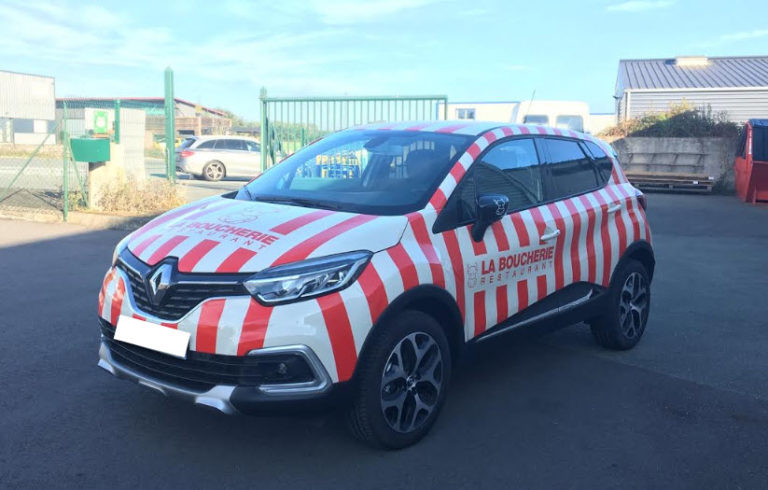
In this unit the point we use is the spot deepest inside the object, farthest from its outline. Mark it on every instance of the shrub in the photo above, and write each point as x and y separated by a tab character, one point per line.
131	196
680	121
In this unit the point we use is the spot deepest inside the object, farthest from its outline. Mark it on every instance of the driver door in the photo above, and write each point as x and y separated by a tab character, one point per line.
512	266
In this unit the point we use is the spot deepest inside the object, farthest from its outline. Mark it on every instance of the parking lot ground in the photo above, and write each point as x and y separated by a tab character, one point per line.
687	408
194	189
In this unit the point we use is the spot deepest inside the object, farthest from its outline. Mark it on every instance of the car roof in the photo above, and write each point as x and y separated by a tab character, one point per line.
473	128
224	136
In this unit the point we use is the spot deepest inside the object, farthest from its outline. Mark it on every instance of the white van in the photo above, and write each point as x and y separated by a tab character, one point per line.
556	113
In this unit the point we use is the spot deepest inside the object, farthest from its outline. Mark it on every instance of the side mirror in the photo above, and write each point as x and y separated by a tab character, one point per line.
490	208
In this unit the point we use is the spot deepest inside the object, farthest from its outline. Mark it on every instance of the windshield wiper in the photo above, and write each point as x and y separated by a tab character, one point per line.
297	201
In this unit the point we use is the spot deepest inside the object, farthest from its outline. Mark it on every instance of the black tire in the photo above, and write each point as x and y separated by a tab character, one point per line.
623	323
214	171
409	331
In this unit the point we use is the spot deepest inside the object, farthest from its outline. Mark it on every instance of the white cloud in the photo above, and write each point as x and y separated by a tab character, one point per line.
639	5
107	52
733	37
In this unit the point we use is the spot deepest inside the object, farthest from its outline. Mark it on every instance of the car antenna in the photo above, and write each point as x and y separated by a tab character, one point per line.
530	102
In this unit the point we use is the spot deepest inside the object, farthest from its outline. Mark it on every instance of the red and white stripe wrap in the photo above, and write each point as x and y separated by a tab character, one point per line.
219	235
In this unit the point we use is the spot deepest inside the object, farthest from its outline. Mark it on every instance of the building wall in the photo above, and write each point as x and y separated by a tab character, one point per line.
740	105
27	108
26	96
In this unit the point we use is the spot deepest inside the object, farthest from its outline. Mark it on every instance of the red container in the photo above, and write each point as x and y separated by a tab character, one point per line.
751	165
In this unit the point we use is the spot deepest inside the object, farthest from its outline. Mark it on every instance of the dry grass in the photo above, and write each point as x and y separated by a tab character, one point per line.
130	196
25	151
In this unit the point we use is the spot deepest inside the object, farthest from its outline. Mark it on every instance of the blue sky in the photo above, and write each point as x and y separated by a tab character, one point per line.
224	51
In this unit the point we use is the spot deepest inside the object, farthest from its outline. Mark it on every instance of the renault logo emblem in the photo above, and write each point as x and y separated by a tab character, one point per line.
159	283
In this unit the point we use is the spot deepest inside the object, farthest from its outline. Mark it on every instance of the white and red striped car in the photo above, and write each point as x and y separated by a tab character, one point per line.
365	263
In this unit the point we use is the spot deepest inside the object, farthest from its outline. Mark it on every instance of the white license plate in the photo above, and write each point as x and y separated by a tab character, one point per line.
152	336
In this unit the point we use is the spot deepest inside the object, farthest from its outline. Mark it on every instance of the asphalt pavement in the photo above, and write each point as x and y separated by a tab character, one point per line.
687	408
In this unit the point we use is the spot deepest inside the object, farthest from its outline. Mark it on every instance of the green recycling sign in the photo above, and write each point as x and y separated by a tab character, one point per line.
100	122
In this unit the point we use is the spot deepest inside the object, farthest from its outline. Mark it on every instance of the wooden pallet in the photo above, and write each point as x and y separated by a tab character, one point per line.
669	182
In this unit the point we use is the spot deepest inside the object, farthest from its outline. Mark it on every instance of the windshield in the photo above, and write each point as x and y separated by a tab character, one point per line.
370	172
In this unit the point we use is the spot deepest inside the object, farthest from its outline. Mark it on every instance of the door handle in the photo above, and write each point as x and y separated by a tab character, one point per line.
549	236
614	208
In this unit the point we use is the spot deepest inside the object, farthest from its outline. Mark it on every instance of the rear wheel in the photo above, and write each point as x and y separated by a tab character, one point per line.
624	320
214	171
402	382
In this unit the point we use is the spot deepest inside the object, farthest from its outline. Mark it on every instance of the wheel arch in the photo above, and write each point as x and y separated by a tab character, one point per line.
433	301
641	251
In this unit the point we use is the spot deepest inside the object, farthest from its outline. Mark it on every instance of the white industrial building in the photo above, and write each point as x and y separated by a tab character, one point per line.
736	85
27	108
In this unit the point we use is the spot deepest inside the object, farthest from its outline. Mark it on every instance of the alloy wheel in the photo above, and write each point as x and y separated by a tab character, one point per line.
411	382
633	305
214	171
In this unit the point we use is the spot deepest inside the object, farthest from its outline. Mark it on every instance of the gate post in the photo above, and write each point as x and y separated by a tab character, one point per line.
65	162
263	128
116	120
170	127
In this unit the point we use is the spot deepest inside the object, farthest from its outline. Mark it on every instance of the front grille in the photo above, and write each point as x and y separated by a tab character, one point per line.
186	291
200	372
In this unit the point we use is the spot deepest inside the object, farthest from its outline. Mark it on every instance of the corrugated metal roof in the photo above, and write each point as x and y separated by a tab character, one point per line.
725	72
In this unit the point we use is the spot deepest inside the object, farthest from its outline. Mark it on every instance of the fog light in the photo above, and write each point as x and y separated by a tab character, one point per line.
275	369
282	369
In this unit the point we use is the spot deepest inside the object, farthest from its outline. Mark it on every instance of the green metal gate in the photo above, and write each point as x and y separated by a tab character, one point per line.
288	124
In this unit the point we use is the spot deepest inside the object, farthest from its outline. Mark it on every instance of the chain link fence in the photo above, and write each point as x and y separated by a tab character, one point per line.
51	148
37	173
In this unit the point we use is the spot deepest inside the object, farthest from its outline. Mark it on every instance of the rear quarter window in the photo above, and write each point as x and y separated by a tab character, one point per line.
602	162
206	145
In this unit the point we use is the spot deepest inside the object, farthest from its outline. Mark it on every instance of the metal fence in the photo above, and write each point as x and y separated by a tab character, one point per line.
41	177
40	173
287	124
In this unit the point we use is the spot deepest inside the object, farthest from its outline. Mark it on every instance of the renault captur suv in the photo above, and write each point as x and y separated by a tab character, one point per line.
359	268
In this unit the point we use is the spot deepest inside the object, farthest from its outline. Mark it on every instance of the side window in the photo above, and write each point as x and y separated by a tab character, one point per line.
602	162
206	145
227	144
536	119
575	123
570	170
251	146
510	168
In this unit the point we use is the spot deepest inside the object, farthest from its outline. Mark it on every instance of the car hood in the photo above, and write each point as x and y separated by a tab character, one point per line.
229	236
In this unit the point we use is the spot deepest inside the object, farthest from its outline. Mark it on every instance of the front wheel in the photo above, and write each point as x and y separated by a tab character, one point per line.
403	380
623	323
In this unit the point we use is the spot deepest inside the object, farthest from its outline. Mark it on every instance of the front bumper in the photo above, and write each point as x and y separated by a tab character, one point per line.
234	399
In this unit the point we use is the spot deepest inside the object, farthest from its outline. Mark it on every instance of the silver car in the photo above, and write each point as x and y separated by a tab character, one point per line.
216	157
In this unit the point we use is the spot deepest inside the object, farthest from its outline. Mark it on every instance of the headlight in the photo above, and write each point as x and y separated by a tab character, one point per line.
119	248
308	278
